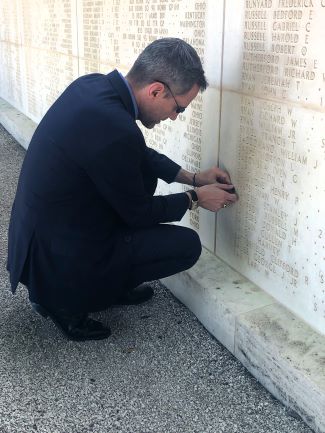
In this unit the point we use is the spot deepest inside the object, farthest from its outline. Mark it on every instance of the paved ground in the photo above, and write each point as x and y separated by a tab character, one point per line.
159	372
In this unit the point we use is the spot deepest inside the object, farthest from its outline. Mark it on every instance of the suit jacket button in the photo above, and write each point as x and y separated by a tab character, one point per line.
128	238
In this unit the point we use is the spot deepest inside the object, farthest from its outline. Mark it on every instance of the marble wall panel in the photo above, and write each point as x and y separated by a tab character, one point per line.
49	43
272	142
9	18
10	70
193	139
41	89
11	73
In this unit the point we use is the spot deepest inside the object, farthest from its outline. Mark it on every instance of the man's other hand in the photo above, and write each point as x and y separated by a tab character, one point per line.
215	196
212	175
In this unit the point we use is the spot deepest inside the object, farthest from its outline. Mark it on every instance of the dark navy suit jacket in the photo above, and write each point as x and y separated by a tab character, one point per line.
87	181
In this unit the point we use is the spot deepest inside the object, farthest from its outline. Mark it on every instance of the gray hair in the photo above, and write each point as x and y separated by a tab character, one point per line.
169	60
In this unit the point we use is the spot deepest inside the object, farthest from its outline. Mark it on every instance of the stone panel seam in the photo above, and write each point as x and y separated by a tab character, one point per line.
220	110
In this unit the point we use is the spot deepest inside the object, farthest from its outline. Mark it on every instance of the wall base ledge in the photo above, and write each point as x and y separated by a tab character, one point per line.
282	351
16	123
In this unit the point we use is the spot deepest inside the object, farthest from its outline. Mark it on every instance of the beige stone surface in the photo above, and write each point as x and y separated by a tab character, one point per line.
20	126
272	142
287	357
217	295
283	352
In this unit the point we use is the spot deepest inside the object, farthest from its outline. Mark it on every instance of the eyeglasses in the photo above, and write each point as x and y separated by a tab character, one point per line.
179	108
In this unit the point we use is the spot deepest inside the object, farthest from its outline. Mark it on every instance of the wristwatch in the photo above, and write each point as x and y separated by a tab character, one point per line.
195	201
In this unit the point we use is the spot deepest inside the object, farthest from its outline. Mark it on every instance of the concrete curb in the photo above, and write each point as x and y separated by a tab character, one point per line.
278	348
20	126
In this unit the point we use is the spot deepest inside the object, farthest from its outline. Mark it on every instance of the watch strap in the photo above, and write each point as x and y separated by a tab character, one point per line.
195	199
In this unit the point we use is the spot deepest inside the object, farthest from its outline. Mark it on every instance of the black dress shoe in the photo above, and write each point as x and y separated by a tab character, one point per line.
135	296
76	327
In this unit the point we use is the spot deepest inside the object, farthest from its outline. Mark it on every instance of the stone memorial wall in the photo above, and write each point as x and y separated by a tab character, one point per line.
262	117
273	143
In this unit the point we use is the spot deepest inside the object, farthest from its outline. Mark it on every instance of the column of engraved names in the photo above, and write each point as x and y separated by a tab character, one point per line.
260	140
147	22
270	68
114	21
11	79
182	140
272	236
191	158
194	20
27	12
262	62
277	38
266	166
116	15
58	38
92	12
257	61
293	24
305	68
251	186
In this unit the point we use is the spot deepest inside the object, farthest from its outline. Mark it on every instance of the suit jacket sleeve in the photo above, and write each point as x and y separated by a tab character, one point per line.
115	169
162	166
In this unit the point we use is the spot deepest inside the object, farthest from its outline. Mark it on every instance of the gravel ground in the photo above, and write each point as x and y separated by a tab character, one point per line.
159	372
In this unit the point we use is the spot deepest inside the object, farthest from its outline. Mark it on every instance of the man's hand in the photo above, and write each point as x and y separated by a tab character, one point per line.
215	196
212	176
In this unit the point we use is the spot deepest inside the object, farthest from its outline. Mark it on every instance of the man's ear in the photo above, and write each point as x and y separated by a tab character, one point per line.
156	89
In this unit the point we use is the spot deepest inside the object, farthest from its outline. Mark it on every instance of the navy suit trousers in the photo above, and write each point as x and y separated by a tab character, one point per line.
157	252
162	251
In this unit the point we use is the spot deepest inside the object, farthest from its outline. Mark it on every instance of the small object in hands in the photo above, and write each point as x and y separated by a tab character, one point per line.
230	191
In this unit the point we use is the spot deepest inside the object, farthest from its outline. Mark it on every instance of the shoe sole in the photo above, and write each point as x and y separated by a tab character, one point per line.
46	314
